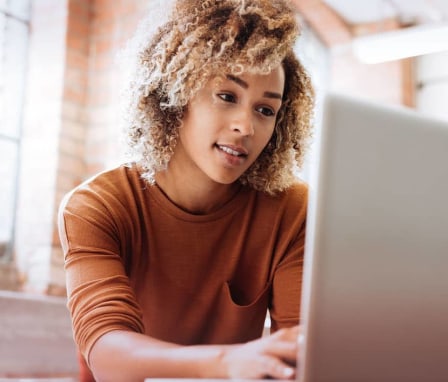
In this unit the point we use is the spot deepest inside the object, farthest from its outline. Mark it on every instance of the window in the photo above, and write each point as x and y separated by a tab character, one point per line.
14	31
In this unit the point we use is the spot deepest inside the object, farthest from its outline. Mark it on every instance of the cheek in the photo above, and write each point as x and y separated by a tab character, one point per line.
261	143
193	134
200	119
266	136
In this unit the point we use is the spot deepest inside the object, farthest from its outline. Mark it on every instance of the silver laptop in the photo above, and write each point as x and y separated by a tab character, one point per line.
375	297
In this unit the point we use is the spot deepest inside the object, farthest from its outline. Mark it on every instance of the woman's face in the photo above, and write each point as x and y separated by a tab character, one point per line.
227	124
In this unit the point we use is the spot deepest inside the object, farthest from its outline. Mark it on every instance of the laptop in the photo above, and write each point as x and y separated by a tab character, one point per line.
375	289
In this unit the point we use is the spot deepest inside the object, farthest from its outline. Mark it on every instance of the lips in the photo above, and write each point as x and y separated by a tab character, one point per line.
236	151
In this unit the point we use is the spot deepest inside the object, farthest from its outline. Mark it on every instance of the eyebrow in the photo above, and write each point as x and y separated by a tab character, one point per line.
245	85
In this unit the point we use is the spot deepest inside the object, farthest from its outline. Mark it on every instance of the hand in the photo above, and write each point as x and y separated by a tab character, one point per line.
273	356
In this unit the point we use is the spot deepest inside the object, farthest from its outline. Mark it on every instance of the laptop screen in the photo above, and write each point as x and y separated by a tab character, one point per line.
375	297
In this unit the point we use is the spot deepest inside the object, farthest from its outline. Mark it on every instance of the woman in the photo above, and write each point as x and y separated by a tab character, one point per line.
173	260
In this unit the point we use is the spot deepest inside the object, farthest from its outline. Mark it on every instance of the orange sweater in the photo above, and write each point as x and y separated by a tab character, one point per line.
135	261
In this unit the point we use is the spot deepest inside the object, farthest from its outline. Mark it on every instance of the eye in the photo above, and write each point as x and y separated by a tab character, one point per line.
227	97
266	111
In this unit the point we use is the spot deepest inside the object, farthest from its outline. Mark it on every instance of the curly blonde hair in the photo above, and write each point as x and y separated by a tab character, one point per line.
206	38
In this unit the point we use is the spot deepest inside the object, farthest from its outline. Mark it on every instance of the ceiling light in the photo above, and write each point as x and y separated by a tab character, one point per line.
402	43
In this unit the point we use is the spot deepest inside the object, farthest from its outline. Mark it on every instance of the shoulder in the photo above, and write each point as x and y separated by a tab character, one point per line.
114	179
109	188
103	207
296	193
294	201
288	205
295	196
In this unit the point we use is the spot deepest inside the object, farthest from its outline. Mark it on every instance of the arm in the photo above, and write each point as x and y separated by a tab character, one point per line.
107	319
287	281
122	355
286	289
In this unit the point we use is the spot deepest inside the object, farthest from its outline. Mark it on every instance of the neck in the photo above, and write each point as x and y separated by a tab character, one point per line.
195	197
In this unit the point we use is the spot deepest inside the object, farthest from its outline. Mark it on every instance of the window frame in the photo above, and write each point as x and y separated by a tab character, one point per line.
20	14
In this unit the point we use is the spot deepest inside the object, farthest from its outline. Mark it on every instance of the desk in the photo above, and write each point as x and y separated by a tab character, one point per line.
38	380
146	380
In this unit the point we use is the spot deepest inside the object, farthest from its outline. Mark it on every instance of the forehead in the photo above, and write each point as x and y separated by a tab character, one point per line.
275	78
272	81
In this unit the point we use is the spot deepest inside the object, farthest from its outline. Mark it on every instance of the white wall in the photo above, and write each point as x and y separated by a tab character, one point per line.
432	80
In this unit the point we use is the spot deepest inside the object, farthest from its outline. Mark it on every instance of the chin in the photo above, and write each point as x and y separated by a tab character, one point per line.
225	180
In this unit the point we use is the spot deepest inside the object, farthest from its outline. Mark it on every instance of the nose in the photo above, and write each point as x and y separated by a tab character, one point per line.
242	123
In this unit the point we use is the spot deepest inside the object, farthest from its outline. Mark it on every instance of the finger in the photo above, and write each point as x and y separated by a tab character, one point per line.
286	350
290	334
274	368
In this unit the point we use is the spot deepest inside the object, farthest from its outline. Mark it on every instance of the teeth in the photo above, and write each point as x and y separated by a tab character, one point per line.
229	151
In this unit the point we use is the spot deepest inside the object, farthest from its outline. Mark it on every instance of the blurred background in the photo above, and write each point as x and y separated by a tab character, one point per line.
61	82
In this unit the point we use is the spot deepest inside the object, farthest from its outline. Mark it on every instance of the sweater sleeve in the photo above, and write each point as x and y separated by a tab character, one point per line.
287	280
100	298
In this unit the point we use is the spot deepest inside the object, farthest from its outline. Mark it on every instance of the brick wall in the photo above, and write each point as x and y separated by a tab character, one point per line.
112	24
90	135
71	121
71	166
